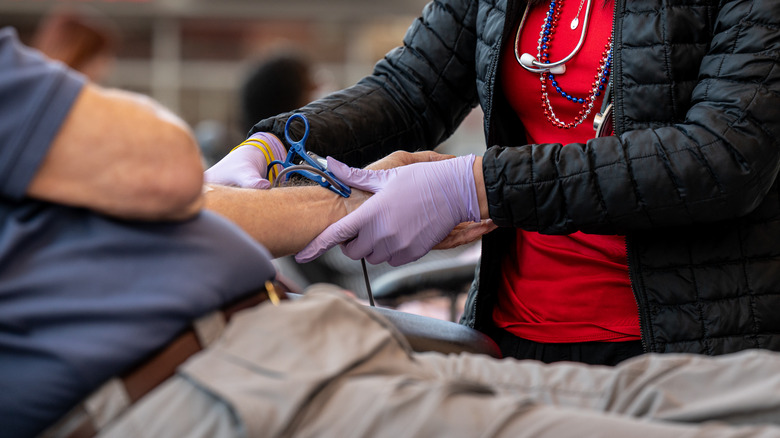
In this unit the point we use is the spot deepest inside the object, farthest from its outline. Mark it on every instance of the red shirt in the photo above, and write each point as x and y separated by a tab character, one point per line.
571	288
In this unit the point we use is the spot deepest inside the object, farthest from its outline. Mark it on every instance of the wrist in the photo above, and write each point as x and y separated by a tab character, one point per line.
479	184
355	200
275	145
272	149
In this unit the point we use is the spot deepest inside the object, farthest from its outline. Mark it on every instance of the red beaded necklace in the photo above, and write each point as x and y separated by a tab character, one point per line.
547	79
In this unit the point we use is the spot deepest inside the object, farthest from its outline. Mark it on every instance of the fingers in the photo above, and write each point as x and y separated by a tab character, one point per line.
338	232
403	158
466	232
316	247
362	179
362	246
244	181
212	176
431	156
397	158
243	167
356	199
400	260
262	184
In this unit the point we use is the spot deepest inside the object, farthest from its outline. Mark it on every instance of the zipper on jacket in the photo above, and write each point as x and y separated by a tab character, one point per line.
491	74
617	69
511	9
488	115
639	299
631	257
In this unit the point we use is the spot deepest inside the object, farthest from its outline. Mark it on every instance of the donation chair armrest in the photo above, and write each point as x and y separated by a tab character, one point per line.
449	275
430	334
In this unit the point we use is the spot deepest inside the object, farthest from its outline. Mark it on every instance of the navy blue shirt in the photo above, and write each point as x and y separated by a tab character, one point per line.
84	297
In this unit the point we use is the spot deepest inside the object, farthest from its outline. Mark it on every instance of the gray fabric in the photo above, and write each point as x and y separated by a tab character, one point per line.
179	408
326	366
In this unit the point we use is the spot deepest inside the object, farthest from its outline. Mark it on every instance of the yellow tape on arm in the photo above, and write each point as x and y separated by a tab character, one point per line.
267	152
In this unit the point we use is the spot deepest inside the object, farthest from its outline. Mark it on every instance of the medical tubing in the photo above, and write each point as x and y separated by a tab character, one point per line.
368	283
265	149
333	183
308	168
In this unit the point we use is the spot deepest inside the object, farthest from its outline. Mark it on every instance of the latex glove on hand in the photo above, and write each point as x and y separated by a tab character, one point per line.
464	233
246	165
413	208
403	158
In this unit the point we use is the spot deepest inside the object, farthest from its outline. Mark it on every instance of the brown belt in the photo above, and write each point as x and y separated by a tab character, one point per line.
80	423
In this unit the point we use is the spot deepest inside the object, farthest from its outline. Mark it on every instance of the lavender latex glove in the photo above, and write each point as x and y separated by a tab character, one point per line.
246	165
414	207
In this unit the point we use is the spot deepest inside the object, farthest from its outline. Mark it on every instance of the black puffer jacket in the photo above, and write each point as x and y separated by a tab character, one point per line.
689	177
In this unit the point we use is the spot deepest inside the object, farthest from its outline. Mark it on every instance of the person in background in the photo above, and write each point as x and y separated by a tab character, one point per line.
82	38
277	83
653	237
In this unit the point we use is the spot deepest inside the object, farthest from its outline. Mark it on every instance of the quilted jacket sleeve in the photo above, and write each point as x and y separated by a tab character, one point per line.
719	162
415	98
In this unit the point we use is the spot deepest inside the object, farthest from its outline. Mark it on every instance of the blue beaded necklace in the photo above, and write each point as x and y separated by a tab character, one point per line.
602	75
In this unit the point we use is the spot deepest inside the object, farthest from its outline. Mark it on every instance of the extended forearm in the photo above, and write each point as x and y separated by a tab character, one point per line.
283	219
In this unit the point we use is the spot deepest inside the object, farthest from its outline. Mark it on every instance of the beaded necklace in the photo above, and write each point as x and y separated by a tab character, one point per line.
602	75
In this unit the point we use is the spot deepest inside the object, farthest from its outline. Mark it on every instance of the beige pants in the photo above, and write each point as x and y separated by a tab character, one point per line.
325	366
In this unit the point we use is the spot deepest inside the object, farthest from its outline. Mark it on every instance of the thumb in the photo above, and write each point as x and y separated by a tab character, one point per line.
261	183
432	156
338	232
368	180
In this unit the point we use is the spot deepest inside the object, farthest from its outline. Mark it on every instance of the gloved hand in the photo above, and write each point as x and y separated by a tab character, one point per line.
246	165
403	158
414	207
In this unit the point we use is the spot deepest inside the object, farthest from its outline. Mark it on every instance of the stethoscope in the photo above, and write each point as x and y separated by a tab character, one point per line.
529	61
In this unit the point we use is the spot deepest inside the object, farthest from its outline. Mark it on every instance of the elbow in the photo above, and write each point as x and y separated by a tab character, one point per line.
749	191
176	190
183	198
748	201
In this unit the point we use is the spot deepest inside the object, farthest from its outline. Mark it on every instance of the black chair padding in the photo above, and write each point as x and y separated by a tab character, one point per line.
430	334
450	275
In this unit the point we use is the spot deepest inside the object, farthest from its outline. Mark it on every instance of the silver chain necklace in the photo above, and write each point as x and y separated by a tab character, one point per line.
576	21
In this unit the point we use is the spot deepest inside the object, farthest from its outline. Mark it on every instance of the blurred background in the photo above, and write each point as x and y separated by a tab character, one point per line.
211	61
194	55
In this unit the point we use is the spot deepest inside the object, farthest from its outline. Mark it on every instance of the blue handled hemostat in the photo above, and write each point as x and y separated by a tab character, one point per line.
307	164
